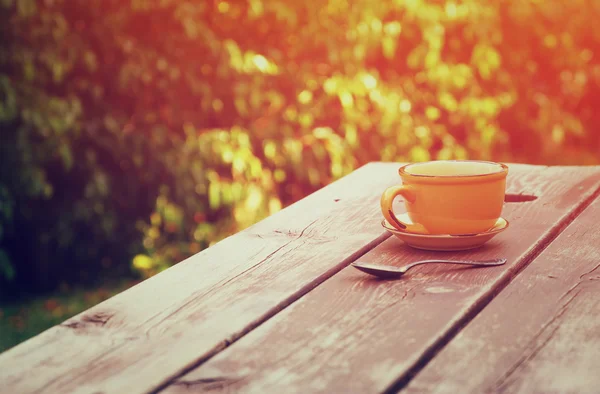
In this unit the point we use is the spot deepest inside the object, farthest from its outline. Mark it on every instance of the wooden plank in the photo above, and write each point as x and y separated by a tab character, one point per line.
358	334
540	335
151	333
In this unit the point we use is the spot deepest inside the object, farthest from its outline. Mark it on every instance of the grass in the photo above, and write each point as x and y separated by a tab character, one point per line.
30	316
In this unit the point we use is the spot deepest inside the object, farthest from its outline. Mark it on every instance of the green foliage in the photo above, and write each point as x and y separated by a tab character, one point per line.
154	128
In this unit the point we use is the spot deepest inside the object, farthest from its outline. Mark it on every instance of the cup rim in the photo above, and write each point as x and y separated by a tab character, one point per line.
503	169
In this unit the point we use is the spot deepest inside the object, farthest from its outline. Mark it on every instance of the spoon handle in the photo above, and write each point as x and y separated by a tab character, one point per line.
463	262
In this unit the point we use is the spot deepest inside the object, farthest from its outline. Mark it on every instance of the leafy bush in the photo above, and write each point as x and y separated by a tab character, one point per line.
154	128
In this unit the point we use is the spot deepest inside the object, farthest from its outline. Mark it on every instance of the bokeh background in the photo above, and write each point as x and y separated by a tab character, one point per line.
134	133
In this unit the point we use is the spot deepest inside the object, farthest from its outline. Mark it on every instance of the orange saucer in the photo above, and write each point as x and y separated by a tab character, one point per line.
445	242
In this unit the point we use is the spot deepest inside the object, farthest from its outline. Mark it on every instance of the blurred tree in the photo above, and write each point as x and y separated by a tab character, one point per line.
153	128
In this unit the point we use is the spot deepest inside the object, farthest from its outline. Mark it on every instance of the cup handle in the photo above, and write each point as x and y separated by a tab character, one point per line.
387	198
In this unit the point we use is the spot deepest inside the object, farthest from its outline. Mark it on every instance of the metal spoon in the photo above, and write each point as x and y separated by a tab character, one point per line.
389	272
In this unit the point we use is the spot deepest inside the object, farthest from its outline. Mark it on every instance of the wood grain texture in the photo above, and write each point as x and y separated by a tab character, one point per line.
137	340
540	335
357	334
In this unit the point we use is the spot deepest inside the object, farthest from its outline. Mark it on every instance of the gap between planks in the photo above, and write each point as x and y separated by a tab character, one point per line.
552	309
485	300
281	306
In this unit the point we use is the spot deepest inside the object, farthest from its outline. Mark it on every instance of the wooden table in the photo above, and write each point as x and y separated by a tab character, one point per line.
277	309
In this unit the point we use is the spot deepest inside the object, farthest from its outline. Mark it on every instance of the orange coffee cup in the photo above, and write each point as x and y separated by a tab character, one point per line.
448	196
